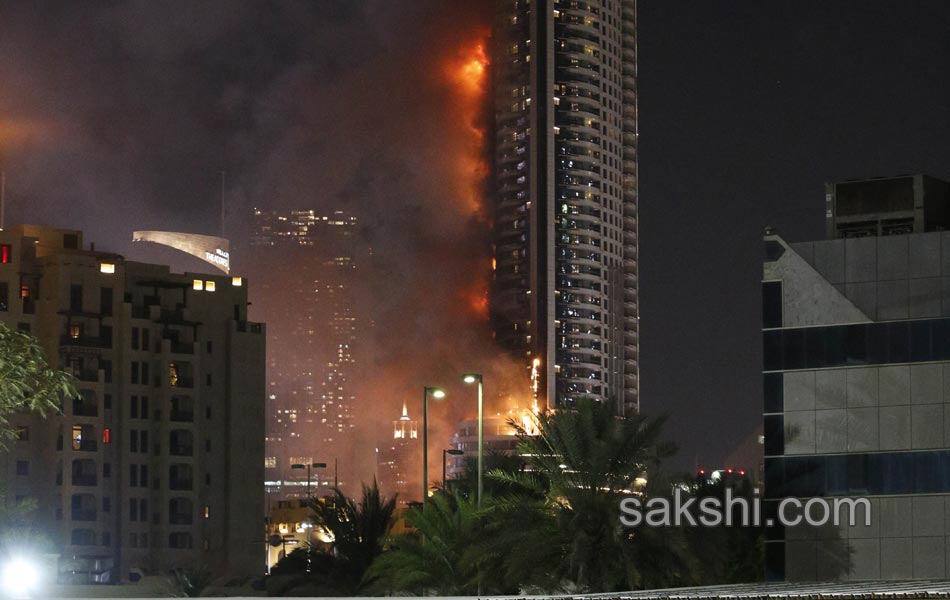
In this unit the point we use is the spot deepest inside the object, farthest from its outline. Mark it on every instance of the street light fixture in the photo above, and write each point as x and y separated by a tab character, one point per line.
437	393
316	465
471	378
453	452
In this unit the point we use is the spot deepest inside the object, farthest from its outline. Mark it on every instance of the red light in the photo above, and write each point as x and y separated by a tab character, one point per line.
4	254
728	470
741	472
106	436
702	471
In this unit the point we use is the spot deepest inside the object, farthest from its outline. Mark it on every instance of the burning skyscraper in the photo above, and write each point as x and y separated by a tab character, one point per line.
564	182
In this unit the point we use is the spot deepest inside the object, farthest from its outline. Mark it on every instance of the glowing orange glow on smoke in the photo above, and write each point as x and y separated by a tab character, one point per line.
476	299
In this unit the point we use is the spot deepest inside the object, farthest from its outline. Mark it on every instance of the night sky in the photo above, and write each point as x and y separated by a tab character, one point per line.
119	116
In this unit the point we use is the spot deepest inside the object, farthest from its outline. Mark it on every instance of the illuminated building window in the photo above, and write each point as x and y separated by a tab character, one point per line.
207	511
237	281
106	436
5	255
197	284
24	291
75	330
107	268
172	374
270	462
209	286
77	437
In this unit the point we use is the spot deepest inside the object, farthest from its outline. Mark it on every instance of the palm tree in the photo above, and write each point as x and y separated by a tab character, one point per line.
358	529
438	556
585	460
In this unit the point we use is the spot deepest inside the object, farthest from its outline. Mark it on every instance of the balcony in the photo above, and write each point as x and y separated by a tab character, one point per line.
182	416
181	484
85	408
84	341
83	514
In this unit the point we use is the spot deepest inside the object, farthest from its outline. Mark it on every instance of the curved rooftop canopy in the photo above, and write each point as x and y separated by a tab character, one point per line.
213	250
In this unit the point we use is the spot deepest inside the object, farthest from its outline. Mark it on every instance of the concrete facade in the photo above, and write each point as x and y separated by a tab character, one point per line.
160	464
857	401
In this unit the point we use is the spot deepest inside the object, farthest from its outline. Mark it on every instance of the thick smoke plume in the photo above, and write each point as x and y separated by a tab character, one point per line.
121	116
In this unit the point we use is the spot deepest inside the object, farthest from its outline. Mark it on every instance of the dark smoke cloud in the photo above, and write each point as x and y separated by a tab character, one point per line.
120	116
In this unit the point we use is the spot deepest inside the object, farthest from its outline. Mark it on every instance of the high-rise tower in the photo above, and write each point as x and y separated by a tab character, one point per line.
564	179
306	265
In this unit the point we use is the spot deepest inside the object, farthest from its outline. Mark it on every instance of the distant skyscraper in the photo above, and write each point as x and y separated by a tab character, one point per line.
564	174
306	269
399	460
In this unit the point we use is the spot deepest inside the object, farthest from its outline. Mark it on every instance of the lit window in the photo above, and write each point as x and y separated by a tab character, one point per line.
107	268
207	512
237	281
197	284
24	291
77	437
5	257
209	286
106	436
75	330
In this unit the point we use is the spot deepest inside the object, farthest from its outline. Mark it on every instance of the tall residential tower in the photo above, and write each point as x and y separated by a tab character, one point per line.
564	178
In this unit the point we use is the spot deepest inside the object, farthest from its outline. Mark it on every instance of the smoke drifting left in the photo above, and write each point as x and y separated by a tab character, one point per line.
119	116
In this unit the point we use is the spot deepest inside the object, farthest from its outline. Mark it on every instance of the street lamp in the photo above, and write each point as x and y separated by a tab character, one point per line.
477	378
308	466
453	452
437	393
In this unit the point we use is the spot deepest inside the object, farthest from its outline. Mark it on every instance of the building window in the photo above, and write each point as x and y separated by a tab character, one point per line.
145	339
105	301
107	401
75	331
6	256
197	284
107	268
135	338
24	291
4	297
106	470
106	436
22	467
22	433
77	437
209	286
771	304
134	372
107	504
236	282
75	298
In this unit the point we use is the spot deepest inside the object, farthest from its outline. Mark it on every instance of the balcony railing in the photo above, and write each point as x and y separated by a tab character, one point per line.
181	484
84	341
182	416
183	382
181	519
85	409
84	479
182	450
84	514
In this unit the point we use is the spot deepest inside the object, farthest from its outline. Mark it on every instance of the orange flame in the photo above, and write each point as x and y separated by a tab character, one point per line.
468	74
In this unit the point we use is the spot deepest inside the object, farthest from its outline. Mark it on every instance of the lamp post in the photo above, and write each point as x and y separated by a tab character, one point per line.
477	378
437	393
308	467
453	452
